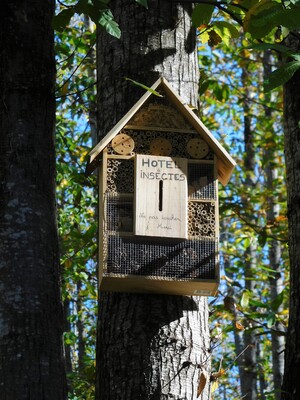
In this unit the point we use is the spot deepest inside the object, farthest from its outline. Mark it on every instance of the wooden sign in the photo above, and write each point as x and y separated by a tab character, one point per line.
161	196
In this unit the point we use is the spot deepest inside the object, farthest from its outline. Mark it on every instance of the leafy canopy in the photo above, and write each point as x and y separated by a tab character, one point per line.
97	10
266	23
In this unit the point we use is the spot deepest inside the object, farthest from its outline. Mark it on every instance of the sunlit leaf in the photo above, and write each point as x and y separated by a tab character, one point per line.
204	37
144	87
245	300
226	31
214	386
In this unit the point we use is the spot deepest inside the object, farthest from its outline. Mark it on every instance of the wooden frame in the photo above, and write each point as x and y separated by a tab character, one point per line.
117	199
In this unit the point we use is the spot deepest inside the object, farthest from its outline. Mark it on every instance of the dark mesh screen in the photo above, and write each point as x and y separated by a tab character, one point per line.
201	183
119	211
183	260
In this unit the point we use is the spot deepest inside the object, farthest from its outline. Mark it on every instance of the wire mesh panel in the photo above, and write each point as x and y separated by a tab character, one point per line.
178	260
119	213
201	183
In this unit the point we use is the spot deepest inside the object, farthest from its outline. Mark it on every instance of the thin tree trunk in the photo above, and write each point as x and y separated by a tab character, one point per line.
80	327
92	105
261	375
274	249
149	346
67	328
31	362
291	381
247	362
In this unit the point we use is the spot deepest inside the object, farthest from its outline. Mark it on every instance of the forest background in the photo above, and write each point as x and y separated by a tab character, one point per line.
241	102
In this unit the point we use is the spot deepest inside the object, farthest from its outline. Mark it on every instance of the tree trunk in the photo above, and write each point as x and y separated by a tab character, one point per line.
247	362
149	346
31	362
274	247
291	381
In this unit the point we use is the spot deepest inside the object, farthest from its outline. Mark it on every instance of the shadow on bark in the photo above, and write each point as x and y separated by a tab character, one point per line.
132	336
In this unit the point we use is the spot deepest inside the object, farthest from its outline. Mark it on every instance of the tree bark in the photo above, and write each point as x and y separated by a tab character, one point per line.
291	382
148	346
31	362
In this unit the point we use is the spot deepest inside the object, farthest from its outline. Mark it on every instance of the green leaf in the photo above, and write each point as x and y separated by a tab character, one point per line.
144	87
271	320
84	275
263	18
61	20
276	303
289	18
281	75
296	56
269	46
143	3
226	31
109	24
262	240
257	303
202	14
247	242
259	19
245	300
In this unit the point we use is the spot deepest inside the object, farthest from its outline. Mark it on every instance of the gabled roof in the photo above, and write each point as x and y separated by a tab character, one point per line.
225	163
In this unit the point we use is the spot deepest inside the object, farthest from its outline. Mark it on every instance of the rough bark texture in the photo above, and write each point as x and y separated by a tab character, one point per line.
155	42
31	361
291	381
149	346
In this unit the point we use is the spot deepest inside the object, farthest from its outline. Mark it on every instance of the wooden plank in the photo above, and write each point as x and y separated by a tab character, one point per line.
115	156
101	217
136	284
159	129
161	196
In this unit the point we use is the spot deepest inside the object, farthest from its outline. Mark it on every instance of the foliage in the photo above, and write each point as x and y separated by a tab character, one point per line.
244	211
244	208
265	21
97	10
77	203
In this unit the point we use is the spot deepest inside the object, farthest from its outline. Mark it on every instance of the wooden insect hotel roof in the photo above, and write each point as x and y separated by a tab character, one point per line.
225	163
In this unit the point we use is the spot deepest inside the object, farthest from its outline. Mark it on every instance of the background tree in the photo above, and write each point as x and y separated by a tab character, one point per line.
252	216
148	346
32	364
291	384
246	314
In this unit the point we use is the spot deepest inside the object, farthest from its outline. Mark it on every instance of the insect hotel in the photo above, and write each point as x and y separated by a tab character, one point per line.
158	199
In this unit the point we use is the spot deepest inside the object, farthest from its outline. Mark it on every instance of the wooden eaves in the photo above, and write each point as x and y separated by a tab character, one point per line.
225	163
